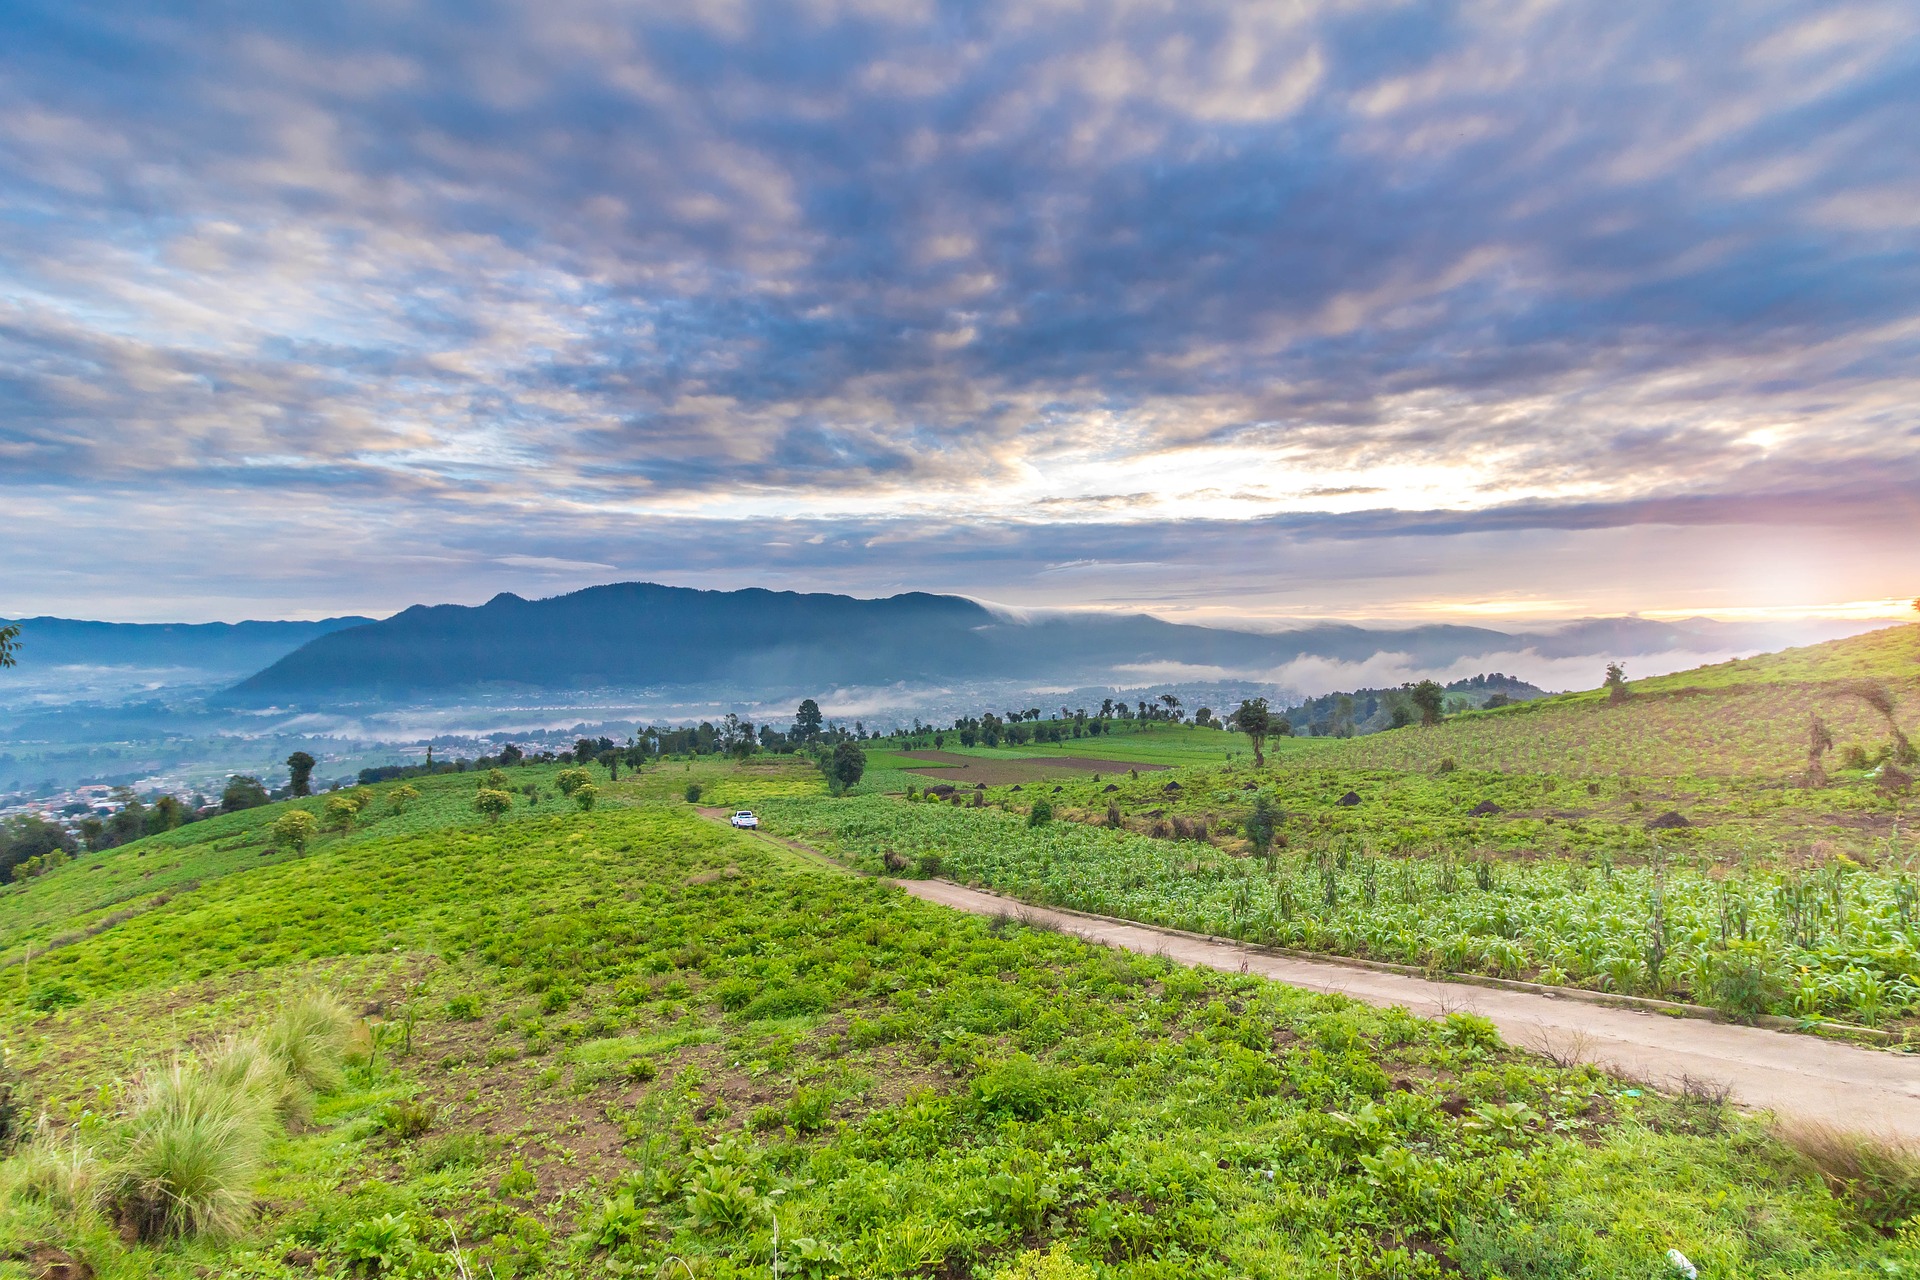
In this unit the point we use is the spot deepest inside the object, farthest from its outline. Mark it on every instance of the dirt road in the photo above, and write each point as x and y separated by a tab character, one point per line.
1797	1076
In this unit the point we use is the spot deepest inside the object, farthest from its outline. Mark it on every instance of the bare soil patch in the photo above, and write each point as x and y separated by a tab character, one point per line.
1014	769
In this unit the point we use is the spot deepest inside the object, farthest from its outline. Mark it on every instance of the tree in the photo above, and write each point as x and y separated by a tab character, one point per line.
166	814
295	829
492	803
402	796
10	642
1173	705
28	835
243	791
586	795
845	766
300	773
1616	683
1262	825
806	722
496	780
567	780
1254	719
1431	701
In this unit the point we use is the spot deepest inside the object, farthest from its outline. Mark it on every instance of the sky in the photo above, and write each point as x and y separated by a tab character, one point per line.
1493	312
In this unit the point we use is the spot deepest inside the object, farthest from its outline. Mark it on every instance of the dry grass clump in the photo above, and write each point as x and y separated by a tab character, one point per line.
1879	1178
187	1151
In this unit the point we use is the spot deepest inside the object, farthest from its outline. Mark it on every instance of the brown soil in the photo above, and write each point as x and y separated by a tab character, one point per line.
1014	769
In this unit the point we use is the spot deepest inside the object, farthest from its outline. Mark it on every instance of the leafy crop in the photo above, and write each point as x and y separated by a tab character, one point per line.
1840	941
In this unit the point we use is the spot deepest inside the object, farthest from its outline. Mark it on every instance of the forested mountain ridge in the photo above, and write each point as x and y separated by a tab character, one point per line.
640	635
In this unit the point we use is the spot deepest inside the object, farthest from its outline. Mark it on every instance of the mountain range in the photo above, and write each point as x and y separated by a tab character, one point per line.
645	636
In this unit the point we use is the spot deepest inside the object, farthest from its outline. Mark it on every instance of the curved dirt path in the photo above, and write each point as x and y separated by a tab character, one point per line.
1796	1077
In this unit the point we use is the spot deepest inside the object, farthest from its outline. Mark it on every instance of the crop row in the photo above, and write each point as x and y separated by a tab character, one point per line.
1841	941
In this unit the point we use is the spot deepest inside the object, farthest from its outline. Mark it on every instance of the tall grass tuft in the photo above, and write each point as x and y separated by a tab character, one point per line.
310	1039
64	1177
1878	1178
194	1145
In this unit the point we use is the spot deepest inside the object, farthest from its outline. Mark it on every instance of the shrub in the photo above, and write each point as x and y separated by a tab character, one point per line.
568	780
1041	813
295	829
401	796
1741	985
193	1149
464	1007
693	793
1880	1180
496	779
586	795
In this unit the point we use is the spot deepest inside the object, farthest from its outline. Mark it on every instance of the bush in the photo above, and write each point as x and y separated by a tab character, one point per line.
1041	813
586	795
693	793
569	780
464	1008
1740	984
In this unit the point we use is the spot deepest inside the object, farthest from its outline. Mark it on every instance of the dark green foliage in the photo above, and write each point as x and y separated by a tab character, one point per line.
243	791
300	773
845	765
1041	813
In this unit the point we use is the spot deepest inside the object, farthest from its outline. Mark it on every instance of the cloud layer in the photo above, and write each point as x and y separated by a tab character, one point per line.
344	306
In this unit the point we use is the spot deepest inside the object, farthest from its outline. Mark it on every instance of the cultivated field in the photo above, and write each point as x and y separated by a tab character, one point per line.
596	1041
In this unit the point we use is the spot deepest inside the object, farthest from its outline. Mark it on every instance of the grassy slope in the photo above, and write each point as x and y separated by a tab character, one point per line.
1746	718
660	1005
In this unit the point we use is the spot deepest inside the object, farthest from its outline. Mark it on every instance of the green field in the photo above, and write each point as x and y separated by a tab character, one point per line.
631	1035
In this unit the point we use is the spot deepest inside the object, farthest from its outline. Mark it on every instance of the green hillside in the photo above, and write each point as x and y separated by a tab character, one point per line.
1739	719
591	1042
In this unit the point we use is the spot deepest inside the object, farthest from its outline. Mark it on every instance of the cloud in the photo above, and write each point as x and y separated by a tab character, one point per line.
598	273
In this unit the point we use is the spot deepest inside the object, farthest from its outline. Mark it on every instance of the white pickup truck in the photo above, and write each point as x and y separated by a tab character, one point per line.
744	819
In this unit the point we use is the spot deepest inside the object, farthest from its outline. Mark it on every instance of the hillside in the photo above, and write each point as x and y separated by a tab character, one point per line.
587	1042
1748	718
